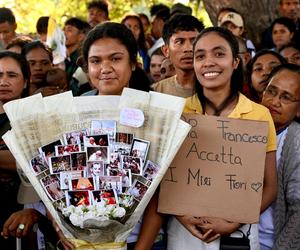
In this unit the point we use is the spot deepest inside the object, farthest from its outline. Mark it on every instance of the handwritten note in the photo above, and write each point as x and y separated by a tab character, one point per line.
218	170
132	117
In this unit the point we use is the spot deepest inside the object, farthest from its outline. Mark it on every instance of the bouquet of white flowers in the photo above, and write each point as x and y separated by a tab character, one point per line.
96	161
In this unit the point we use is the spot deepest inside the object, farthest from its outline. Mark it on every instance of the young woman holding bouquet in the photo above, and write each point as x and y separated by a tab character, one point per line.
219	73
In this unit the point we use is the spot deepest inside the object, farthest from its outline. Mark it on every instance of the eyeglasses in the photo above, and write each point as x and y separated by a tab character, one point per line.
284	98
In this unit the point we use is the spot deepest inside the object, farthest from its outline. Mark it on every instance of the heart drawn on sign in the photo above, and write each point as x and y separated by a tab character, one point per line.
256	186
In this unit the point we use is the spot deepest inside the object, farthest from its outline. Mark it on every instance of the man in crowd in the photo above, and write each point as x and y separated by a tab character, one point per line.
8	27
97	12
178	34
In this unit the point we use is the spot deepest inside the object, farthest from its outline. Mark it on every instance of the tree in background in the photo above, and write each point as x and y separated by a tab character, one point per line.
258	14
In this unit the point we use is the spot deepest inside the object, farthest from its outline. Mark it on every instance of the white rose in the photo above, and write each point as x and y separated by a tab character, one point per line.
118	212
76	220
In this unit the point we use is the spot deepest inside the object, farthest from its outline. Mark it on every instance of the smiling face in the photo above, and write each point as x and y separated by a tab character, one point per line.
11	80
285	84
109	66
214	62
261	70
155	64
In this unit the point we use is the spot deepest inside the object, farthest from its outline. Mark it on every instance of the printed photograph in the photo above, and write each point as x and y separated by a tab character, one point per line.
38	164
138	190
52	187
77	198
49	149
95	168
75	137
98	154
123	143
64	178
78	161
82	184
124	173
150	170
108	195
132	163
59	163
96	140
109	182
101	127
139	148
115	160
66	149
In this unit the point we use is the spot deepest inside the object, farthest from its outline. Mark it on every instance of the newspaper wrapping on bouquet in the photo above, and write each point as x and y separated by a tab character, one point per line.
37	121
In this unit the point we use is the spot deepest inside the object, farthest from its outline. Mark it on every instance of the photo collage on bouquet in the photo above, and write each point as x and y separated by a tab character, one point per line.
95	165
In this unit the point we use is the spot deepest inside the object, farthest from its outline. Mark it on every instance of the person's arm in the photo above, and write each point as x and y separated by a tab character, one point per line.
152	222
7	161
270	181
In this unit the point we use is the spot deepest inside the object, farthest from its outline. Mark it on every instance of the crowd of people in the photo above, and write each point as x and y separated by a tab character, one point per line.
218	70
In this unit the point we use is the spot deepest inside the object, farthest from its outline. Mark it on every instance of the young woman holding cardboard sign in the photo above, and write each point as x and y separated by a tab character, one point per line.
219	72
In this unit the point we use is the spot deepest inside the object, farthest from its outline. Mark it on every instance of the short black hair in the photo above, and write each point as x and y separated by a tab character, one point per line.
157	52
157	7
42	25
295	46
82	26
20	41
180	23
37	44
101	5
6	15
163	14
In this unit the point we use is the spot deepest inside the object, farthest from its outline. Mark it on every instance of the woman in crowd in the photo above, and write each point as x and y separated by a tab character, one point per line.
291	52
219	72
109	52
134	23
280	223
259	69
39	57
14	76
283	30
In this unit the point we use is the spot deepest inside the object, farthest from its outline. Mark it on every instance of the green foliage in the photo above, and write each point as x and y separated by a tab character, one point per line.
27	12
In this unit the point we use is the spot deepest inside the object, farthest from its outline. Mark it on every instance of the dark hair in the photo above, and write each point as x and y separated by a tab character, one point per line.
163	14
157	52
158	7
101	5
34	45
286	22
141	39
42	25
285	66
180	23
282	60
236	82
19	41
139	79
142	15
281	1
290	45
82	26
111	30
20	59
6	15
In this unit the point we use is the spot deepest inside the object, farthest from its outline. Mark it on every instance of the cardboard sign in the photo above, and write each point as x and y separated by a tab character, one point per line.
218	171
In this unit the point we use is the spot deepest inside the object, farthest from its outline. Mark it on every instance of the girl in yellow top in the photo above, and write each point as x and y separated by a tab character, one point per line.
219	71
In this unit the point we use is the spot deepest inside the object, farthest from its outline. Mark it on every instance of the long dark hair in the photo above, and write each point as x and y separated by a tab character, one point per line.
236	82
